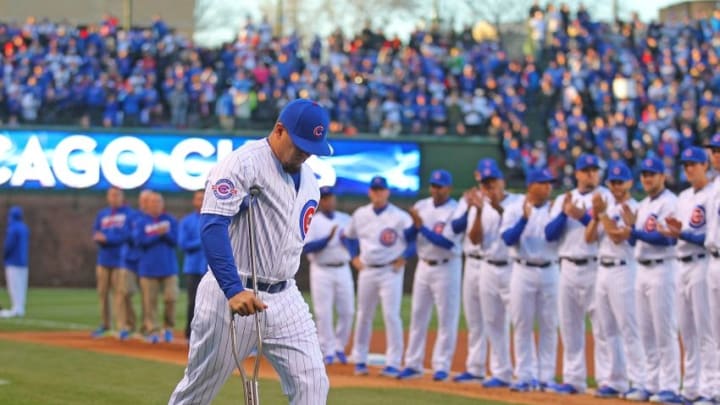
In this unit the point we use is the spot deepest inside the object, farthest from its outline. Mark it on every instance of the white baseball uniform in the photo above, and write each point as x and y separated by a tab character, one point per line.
655	296
615	305
712	243
331	282
533	293
436	280
282	216
493	283
700	350
578	272
382	240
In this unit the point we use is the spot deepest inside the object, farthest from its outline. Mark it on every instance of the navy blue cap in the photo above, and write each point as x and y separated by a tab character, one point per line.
378	183
486	162
326	191
539	176
715	141
307	123
652	165
586	161
694	154
619	171
441	178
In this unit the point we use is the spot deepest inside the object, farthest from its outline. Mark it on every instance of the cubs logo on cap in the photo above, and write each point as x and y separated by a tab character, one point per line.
697	218
486	162
715	141
378	183
539	176
306	215
441	178
307	122
326	191
694	154
652	165
490	172
586	161
619	171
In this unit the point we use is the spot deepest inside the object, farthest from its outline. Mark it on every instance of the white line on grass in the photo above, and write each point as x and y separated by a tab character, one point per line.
46	323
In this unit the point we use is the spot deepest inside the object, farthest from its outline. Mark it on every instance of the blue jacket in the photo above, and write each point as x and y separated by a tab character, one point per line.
115	224
189	241
133	251
158	257
17	239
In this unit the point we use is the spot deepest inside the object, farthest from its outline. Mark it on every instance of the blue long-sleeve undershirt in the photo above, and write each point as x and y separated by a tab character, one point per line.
352	246
693	238
512	235
316	245
219	254
460	224
555	228
436	239
653	238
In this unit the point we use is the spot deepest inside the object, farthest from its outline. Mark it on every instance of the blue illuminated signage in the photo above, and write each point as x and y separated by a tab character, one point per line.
165	162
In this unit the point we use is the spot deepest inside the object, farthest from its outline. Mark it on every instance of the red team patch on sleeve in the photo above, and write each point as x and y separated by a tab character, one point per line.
306	215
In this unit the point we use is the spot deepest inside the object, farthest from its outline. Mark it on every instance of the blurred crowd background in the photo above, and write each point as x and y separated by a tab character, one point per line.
622	90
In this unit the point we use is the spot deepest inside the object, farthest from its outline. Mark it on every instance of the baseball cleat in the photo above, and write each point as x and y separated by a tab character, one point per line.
495	383
328	360
152	339
440	376
520	386
703	401
466	376
124	335
99	332
536	385
564	389
341	357
666	397
637	394
390	371
361	369
607	392
168	335
409	374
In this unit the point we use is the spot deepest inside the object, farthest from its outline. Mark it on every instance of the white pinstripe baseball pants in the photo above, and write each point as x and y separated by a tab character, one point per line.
289	342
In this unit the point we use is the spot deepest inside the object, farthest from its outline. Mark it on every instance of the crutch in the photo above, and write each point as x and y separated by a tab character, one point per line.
250	385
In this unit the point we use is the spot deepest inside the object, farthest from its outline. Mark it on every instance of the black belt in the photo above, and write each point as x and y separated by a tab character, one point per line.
690	258
271	288
338	264
579	262
498	263
541	265
612	262
650	262
435	262
476	257
377	266
715	253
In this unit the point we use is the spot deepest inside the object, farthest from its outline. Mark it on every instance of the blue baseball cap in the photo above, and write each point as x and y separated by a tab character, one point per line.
586	161
652	165
441	178
486	162
619	171
307	123
715	141
539	176
378	183
326	191
694	154
490	172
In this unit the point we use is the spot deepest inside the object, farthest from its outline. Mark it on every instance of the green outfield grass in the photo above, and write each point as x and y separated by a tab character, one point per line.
35	374
77	309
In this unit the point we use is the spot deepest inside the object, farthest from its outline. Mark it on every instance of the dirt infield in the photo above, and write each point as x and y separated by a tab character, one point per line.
340	375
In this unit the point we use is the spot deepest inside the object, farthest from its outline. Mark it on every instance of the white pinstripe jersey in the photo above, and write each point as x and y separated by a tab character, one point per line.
572	242
532	245
381	237
437	219
608	248
334	251
492	246
282	215
650	212
712	238
692	211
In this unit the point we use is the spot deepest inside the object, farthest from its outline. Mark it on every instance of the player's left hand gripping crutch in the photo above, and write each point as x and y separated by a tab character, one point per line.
250	385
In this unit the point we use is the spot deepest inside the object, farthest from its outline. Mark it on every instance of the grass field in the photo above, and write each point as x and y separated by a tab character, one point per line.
36	374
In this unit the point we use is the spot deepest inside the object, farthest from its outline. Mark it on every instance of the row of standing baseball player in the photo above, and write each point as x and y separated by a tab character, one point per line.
640	270
138	247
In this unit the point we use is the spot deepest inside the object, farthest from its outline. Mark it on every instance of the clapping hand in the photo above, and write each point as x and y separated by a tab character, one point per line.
570	209
673	228
628	216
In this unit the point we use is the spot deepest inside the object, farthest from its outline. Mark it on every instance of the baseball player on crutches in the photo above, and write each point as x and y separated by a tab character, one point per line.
281	217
